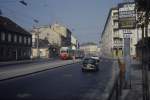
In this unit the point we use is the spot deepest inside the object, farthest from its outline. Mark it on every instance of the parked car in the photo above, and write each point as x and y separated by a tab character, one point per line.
90	64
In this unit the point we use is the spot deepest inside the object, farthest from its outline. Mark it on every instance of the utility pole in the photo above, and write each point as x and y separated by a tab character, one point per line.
36	32
37	42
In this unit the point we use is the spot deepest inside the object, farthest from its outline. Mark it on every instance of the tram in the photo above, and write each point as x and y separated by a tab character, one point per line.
68	53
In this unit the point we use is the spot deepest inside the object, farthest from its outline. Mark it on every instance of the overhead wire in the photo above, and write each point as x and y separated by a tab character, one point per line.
16	15
25	19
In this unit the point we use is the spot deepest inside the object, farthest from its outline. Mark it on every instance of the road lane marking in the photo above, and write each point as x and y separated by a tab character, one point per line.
23	95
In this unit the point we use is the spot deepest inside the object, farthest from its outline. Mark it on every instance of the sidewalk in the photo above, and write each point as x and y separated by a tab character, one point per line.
135	93
12	72
6	63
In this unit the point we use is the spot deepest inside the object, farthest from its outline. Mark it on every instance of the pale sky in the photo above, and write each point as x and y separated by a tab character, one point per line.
85	18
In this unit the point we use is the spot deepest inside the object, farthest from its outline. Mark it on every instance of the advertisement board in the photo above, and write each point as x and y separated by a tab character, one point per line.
127	16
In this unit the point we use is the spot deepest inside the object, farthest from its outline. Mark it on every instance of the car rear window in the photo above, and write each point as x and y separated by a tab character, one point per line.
89	61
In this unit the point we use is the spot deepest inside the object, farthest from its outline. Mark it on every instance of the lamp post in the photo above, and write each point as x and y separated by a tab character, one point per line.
36	31
37	41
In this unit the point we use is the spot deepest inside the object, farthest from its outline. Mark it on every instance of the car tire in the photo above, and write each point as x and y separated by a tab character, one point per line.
97	69
83	70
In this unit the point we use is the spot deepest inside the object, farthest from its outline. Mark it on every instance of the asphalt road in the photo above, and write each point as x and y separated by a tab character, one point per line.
63	83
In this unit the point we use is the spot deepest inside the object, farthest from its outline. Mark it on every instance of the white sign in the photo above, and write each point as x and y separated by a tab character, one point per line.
126	35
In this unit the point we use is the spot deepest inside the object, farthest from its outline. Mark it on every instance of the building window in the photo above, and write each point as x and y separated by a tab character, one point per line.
15	38
29	40
25	40
47	34
131	49
115	13
3	36
9	37
2	51
20	39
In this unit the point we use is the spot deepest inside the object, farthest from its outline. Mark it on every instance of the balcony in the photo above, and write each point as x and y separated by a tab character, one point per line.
115	27
116	35
115	17
118	44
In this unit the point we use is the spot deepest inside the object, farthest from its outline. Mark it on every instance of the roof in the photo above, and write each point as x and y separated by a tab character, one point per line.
7	24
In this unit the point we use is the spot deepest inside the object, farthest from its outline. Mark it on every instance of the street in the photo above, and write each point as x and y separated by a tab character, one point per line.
63	83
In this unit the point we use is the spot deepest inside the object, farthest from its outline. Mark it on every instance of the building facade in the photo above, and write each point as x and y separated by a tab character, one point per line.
15	42
120	34
65	34
109	34
46	32
90	49
42	51
74	42
55	34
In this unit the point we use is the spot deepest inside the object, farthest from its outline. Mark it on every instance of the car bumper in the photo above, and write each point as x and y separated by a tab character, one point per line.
89	69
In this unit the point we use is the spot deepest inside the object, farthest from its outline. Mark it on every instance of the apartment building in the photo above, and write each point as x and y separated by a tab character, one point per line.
56	34
110	40
15	42
120	34
74	42
46	32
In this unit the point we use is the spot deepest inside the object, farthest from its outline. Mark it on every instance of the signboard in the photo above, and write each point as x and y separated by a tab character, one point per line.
127	16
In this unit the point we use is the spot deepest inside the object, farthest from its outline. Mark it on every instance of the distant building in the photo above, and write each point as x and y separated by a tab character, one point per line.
15	42
90	49
74	42
65	34
46	32
55	34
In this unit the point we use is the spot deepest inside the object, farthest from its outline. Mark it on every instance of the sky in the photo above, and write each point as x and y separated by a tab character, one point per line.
85	18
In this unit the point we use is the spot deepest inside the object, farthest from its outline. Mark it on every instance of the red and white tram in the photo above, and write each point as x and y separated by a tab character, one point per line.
67	53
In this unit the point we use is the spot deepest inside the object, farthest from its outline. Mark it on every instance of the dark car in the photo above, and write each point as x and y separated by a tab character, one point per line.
90	64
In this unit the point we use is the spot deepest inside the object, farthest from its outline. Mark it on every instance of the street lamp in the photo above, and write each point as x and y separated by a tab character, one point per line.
36	31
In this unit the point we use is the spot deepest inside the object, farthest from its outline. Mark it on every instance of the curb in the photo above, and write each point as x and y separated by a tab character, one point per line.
22	62
13	77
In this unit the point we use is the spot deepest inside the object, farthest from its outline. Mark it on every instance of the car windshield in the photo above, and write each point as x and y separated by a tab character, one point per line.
48	49
91	61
